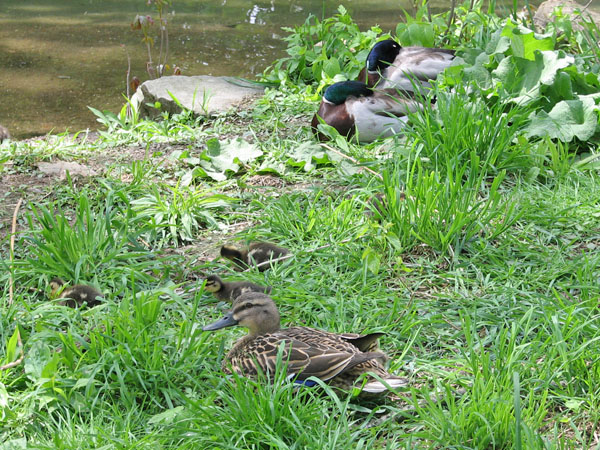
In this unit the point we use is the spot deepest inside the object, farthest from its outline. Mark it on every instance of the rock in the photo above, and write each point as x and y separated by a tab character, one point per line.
205	95
544	13
60	168
4	134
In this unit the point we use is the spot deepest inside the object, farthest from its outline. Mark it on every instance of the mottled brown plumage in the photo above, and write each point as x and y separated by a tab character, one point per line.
257	254
75	296
338	359
230	290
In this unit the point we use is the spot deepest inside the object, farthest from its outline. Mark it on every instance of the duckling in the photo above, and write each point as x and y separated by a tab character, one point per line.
390	66
337	359
4	134
75	295
351	106
259	254
230	290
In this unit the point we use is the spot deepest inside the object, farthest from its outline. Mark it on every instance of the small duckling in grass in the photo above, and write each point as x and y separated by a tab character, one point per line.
4	134
230	290
258	254
75	296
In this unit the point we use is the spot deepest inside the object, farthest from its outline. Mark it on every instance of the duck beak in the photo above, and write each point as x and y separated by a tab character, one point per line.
226	321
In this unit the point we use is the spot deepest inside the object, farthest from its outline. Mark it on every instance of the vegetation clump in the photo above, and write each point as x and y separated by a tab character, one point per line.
471	241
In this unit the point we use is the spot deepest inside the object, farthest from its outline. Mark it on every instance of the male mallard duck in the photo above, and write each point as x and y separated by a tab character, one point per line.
390	66
75	295
351	106
338	359
258	254
230	290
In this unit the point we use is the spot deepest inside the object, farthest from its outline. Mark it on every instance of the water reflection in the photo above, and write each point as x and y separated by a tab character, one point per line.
253	14
59	56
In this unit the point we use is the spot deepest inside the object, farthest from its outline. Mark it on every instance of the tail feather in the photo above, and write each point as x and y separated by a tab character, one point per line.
377	387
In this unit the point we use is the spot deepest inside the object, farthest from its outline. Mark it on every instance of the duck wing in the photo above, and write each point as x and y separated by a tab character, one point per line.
383	103
415	65
307	352
363	342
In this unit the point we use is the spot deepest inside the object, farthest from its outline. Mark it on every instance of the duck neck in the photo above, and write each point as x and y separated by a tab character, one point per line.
253	333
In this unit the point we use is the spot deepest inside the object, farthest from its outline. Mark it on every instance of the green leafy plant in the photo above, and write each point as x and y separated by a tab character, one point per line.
177	217
144	23
90	246
520	67
321	50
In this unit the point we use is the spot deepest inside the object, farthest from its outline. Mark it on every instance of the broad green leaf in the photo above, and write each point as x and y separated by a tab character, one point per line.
227	156
302	156
331	67
567	120
416	33
524	42
11	347
523	78
372	260
166	416
37	358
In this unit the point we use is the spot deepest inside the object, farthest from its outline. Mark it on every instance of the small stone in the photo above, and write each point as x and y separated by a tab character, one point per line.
60	168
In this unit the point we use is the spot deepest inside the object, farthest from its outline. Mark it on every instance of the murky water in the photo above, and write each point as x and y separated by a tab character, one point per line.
59	56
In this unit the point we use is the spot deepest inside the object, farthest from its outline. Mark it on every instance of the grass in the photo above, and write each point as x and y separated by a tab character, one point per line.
479	261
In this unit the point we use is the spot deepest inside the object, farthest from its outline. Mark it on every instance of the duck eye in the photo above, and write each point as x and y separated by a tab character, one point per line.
247	305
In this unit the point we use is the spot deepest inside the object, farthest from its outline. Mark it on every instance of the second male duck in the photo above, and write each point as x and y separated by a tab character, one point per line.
390	66
352	107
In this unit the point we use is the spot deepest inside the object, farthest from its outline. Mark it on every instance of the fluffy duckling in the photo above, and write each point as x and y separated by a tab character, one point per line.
230	290
390	66
4	134
75	295
351	106
259	254
338	359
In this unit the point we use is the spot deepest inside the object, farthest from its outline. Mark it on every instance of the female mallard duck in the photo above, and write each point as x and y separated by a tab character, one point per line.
259	254
230	290
352	107
390	66
337	359
75	295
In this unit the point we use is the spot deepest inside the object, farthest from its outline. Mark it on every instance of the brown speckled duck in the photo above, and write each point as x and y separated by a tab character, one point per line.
337	359
230	290
258	254
75	296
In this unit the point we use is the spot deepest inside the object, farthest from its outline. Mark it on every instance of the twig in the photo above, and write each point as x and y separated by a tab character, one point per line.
12	251
450	21
17	361
450	323
337	152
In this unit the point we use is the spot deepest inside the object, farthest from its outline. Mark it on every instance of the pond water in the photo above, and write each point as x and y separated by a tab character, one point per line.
59	56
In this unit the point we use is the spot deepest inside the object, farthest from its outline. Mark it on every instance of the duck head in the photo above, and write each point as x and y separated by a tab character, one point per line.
213	284
381	56
55	286
253	310
333	109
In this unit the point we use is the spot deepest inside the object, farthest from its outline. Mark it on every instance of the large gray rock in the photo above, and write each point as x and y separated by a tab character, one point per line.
205	95
543	15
